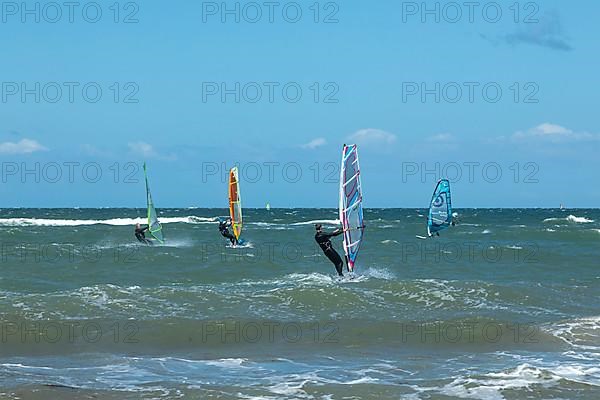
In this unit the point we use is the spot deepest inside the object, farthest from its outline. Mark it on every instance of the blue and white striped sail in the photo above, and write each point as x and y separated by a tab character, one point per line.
440	209
351	208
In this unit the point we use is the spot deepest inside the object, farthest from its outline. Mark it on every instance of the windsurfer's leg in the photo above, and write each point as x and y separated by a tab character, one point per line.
231	239
335	258
339	267
228	236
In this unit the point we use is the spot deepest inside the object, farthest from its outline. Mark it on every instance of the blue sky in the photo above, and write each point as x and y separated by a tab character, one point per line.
370	68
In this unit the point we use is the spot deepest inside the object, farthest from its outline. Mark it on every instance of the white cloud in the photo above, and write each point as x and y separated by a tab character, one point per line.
442	137
553	133
94	151
24	146
146	150
142	148
547	129
315	143
372	137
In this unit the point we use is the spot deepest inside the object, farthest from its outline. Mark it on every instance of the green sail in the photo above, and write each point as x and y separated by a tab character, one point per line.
155	226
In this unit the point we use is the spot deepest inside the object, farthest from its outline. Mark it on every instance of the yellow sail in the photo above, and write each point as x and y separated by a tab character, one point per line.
235	203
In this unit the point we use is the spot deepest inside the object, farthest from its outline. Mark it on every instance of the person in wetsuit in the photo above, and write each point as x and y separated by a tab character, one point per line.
324	241
224	229
140	233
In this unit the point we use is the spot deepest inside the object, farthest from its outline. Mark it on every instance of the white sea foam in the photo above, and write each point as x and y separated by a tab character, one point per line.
245	245
319	221
513	247
553	219
580	333
378	273
227	362
492	386
579	220
571	218
435	292
269	225
90	222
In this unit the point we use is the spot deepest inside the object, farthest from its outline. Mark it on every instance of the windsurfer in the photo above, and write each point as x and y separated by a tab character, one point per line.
324	241
140	233
224	229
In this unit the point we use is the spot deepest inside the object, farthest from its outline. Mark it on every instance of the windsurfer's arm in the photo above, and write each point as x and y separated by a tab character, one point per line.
335	233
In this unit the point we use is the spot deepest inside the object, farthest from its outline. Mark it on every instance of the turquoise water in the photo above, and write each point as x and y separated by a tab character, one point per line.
504	306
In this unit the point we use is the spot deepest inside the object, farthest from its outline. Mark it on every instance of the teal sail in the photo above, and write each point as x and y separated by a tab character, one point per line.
440	209
155	228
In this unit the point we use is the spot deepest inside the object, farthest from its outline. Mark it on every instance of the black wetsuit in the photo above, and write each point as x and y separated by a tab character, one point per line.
324	241
225	233
140	234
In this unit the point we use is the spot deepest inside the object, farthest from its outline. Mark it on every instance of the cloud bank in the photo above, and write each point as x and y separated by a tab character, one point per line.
315	143
372	137
24	146
546	32
147	151
554	133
